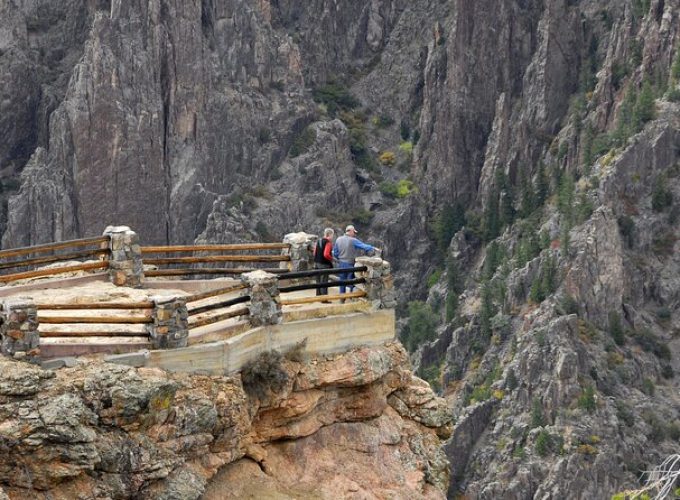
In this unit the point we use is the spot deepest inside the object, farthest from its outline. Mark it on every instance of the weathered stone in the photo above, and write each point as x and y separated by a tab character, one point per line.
125	265
170	327
265	306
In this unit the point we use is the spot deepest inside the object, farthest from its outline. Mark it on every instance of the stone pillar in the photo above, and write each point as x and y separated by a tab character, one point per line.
126	267
379	282
170	327
301	251
19	329
265	306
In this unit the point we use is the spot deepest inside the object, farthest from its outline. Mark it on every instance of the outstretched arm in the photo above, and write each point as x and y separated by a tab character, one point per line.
362	246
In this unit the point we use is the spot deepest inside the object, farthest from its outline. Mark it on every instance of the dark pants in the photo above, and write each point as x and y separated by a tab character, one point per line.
322	278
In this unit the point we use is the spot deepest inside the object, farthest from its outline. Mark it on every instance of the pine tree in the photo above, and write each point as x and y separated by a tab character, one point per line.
486	310
492	225
565	197
454	287
528	196
536	294
542	186
449	221
675	69
625	127
645	107
588	138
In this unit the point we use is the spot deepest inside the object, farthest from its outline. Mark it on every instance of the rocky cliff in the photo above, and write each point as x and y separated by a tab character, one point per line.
356	424
522	155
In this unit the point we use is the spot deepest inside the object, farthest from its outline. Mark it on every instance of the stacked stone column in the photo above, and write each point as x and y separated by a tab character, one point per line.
301	250
126	267
19	329
379	282
265	306
170	327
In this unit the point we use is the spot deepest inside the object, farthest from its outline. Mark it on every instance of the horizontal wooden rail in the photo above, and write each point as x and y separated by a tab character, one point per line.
214	248
48	247
89	334
55	270
205	270
323	298
209	320
217	258
110	305
119	320
219	305
214	293
312	286
54	258
320	272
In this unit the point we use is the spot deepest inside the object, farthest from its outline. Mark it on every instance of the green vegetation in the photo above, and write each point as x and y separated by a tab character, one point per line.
400	189
545	283
302	142
662	197
615	328
511	380
447	223
335	97
649	342
586	400
486	311
406	147
404	130
543	443
421	325
433	278
383	120
537	419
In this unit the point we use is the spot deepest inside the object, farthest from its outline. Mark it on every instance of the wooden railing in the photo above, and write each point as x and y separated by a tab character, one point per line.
21	268
332	283
202	314
209	255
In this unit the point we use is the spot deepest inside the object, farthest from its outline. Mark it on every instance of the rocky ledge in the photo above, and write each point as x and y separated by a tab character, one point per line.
357	424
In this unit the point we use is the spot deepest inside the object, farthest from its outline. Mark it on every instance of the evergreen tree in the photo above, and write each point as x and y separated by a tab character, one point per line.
492	225
565	197
493	258
588	138
449	221
536	294
486	310
528	196
615	328
565	239
625	127
549	276
542	186
661	196
675	69
645	107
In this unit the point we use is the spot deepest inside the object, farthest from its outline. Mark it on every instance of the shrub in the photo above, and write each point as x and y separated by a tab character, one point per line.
421	325
277	85
362	216
624	414
663	314
264	375
335	97
387	158
650	343
586	400
404	188
302	142
383	121
648	386
406	147
479	393
432	375
568	305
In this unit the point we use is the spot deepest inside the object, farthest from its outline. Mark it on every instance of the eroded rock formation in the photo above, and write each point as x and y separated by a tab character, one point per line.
358	423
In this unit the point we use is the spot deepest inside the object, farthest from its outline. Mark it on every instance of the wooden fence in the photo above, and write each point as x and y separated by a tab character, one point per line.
12	269
205	259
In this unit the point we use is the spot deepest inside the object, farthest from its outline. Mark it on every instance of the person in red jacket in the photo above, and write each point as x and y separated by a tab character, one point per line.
323	257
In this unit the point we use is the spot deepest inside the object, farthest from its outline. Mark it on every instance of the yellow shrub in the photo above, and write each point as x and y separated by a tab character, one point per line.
387	158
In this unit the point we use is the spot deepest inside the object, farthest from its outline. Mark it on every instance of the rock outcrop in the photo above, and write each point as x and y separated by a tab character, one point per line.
357	423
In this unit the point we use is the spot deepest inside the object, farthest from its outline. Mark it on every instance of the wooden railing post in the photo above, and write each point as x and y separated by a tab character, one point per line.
301	250
125	267
19	329
379	282
170	327
265	305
